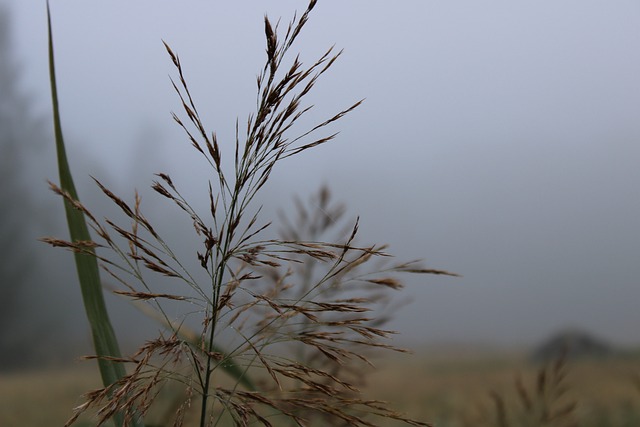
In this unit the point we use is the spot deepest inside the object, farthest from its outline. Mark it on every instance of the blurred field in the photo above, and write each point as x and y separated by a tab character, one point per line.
44	398
448	389
453	389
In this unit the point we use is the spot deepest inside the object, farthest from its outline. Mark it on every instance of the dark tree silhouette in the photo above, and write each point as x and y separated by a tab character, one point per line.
20	133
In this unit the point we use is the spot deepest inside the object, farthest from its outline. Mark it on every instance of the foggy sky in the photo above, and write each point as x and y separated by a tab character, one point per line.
499	140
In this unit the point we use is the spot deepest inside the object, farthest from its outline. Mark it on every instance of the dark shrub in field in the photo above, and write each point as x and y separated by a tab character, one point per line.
571	344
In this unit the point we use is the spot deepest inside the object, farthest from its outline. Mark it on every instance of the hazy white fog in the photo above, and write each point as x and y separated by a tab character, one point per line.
499	139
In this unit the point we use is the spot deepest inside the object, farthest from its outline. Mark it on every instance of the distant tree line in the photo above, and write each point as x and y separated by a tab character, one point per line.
22	136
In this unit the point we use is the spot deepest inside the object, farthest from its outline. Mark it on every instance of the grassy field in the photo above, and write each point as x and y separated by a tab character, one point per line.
447	389
455	389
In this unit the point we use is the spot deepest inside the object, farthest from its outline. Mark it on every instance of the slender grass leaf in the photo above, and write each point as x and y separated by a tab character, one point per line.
104	339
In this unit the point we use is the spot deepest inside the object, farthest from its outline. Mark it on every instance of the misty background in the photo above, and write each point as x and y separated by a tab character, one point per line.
499	140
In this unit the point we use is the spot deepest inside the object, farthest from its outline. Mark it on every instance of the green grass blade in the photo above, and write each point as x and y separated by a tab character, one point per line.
104	339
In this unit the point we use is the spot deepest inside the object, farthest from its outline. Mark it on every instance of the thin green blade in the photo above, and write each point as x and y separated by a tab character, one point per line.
104	339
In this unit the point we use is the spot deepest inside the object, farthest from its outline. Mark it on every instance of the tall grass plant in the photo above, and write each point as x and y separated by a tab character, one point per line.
285	324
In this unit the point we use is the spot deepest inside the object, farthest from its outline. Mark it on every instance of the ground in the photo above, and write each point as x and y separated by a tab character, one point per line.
446	388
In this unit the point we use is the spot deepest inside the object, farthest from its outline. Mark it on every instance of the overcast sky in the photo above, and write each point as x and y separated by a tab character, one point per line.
498	139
